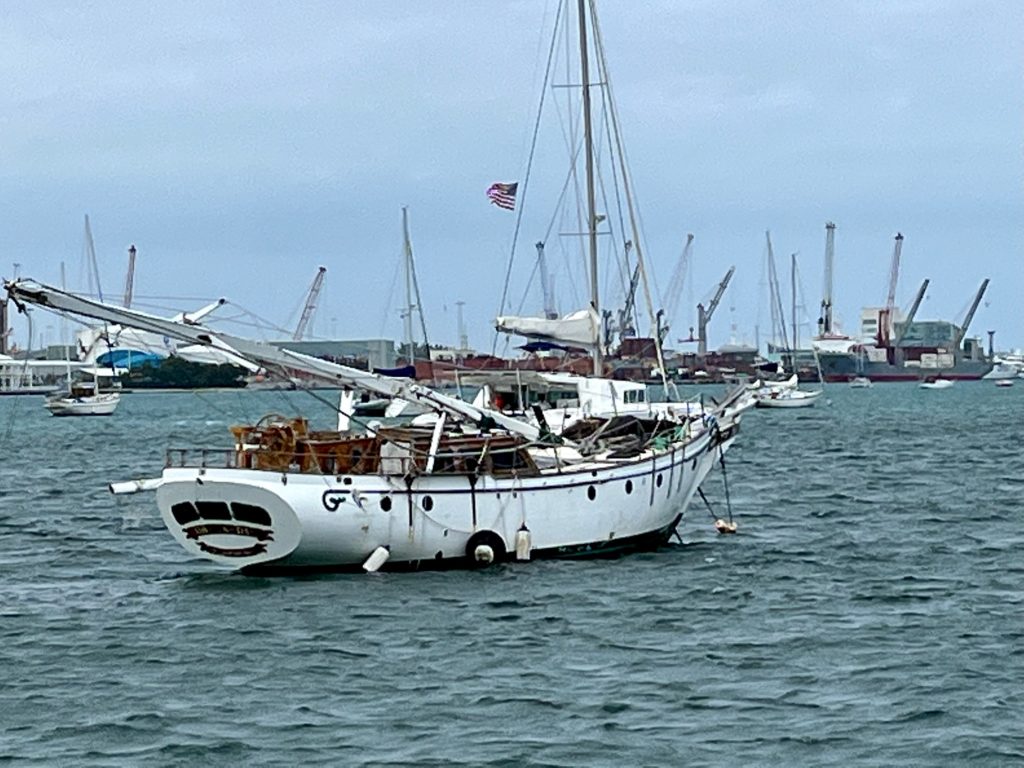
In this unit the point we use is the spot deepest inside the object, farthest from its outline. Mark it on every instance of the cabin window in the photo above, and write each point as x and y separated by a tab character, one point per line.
634	396
184	512
591	492
213	510
659	480
249	513
629	487
428	503
385	504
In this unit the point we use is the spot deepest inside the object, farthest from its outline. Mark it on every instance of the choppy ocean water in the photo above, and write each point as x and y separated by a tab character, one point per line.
870	612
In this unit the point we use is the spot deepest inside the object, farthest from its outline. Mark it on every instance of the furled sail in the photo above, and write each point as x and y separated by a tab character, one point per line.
581	329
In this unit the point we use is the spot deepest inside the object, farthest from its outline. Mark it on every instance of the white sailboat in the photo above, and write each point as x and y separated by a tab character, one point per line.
83	399
80	398
478	486
790	395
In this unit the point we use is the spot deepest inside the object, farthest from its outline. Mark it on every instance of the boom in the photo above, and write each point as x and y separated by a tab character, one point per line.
30	292
970	313
310	307
545	284
675	286
704	315
129	281
912	313
825	321
885	323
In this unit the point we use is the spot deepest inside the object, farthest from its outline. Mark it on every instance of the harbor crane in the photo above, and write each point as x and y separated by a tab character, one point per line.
627	322
911	314
825	326
129	281
885	319
550	312
675	286
704	315
4	330
310	307
962	331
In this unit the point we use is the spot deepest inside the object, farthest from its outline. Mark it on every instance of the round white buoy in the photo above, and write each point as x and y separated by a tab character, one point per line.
483	554
377	558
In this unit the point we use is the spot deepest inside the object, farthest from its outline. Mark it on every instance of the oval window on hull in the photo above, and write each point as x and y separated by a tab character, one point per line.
250	513
184	512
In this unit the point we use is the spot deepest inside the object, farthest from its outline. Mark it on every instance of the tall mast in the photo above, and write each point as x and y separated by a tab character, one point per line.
407	246
588	146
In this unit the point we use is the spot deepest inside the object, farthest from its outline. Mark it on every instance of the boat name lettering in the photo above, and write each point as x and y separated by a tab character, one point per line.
213	529
255	549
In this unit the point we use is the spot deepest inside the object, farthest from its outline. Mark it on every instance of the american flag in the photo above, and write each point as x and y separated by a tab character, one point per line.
503	195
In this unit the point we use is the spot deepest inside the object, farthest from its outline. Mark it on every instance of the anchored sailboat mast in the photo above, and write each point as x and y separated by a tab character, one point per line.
588	146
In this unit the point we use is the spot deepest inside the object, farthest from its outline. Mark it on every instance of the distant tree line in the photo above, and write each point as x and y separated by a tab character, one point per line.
175	373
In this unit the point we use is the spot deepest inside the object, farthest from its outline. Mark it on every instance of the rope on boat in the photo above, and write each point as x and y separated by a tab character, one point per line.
721	525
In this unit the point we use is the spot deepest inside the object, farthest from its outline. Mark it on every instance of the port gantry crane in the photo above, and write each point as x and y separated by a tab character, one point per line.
310	306
962	331
825	326
885	319
704	315
129	280
675	287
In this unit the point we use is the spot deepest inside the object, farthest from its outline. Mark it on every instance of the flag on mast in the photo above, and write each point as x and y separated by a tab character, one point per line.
503	195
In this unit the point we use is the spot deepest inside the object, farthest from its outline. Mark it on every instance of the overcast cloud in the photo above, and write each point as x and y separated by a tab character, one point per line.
240	145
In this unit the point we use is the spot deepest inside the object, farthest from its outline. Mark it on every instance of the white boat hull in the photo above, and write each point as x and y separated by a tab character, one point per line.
97	405
788	399
272	521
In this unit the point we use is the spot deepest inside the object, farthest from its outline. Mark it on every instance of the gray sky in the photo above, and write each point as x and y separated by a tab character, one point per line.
240	145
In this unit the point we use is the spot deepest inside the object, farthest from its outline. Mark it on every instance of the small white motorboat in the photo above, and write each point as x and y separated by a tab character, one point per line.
936	383
860	382
1004	382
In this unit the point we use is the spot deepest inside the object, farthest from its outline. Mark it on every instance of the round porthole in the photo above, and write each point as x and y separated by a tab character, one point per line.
385	504
659	481
591	493
629	487
428	503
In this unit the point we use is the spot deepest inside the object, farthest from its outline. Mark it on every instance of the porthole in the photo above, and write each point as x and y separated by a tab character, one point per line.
184	512
213	510
659	481
385	504
629	487
249	513
591	493
428	503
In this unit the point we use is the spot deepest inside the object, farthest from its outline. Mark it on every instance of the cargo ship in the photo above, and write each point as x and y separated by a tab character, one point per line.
904	349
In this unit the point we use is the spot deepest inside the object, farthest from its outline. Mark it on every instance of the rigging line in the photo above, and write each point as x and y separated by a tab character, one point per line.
623	264
526	177
628	192
386	314
550	227
419	302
